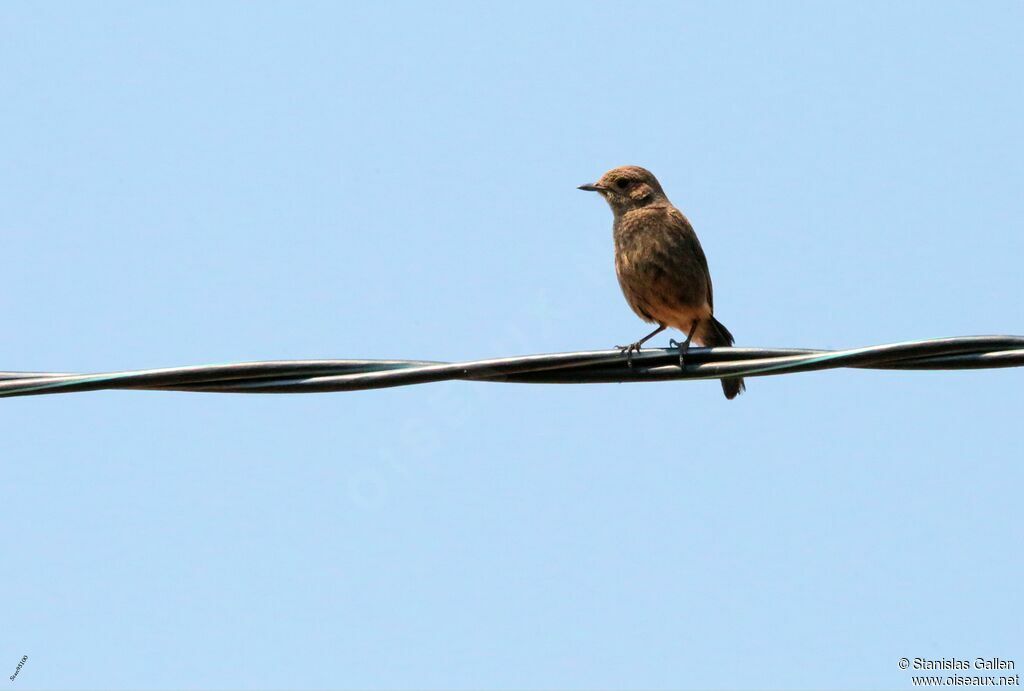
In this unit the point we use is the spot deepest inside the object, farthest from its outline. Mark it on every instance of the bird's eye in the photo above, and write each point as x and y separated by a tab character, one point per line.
622	183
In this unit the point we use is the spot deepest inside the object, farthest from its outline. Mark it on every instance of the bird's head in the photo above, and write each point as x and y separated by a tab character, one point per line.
627	187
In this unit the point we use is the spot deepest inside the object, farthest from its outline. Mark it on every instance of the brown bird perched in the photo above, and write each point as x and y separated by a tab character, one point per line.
660	264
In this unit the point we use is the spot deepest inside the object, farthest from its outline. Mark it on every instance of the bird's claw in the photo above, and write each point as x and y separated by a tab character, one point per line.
682	347
628	350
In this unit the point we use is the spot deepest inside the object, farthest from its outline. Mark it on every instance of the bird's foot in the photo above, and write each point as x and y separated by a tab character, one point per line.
682	347
628	351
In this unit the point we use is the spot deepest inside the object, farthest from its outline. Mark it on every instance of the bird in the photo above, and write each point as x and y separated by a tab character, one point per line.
660	264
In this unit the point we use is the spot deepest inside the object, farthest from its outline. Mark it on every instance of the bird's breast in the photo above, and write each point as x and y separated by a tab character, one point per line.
661	279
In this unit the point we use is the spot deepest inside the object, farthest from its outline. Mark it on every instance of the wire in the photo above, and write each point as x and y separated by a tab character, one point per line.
585	367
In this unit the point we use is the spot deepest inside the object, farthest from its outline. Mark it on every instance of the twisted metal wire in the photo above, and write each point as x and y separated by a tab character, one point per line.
585	367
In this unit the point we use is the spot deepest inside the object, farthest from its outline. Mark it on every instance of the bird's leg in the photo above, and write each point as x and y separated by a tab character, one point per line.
628	350
685	345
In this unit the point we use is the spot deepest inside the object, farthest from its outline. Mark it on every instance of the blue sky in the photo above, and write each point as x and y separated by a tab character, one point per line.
194	183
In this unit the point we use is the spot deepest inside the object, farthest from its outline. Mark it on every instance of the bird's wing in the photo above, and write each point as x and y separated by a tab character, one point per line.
687	237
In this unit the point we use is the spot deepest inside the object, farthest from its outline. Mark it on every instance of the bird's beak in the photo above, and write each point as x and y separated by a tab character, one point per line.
592	187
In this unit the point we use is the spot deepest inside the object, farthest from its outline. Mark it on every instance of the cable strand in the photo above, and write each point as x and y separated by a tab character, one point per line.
584	367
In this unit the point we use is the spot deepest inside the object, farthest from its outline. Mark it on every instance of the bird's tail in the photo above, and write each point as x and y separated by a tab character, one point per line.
715	334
